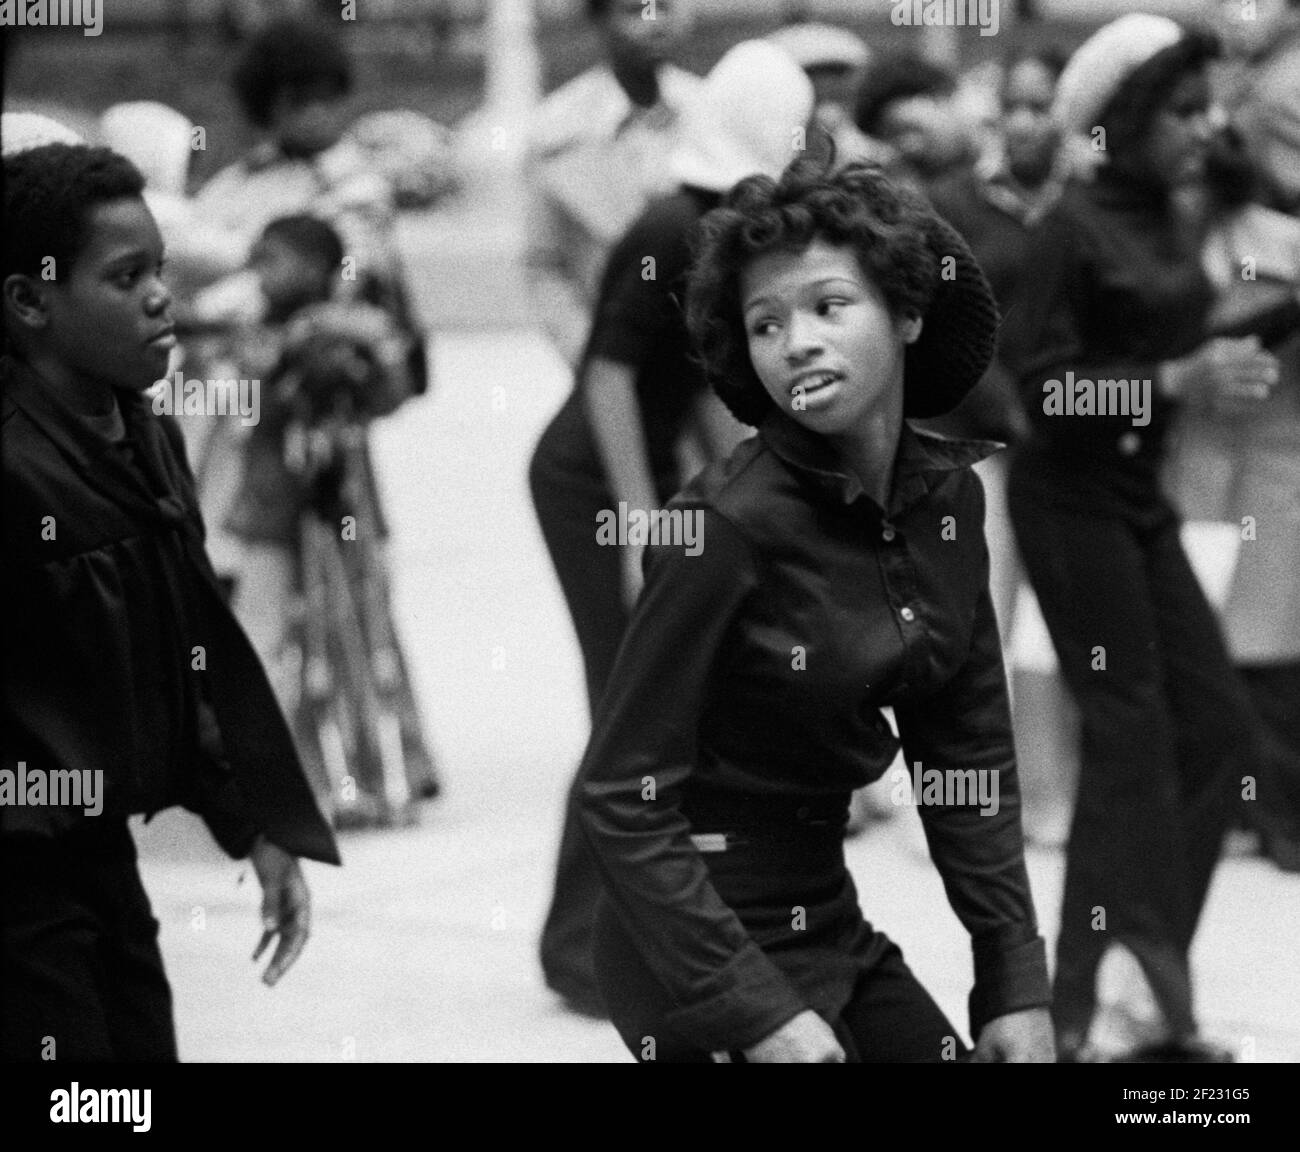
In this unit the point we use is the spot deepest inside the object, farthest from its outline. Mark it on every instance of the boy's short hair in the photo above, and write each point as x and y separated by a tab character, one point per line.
49	193
308	235
898	77
288	54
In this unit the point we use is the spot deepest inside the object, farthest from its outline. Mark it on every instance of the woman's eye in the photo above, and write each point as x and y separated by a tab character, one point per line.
828	306
763	327
126	278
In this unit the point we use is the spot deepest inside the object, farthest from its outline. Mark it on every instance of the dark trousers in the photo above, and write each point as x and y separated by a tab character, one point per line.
82	975
1166	739
1275	809
591	578
889	1019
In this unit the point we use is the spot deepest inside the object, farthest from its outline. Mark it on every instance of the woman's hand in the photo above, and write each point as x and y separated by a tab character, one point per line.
1017	1038
806	1039
1228	373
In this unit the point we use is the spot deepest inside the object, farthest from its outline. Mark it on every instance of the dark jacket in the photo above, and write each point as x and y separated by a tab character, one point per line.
756	669
1111	287
111	598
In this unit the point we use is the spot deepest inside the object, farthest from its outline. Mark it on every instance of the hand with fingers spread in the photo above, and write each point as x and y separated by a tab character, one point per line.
286	907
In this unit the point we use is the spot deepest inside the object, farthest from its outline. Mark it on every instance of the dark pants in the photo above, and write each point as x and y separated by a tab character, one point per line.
1275	809
1166	739
889	1019
567	500
82	975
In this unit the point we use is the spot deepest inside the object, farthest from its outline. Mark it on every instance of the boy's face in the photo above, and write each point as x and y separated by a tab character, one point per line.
642	34
308	119
108	318
288	277
926	131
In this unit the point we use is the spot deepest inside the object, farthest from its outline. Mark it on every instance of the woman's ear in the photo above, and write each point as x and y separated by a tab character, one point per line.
24	301
910	329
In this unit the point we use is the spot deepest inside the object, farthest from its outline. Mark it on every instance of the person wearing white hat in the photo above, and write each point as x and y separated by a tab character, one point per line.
1107	334
616	443
21	131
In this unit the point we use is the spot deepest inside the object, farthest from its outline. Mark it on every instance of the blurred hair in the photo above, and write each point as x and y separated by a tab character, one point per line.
308	235
598	9
49	193
856	206
1128	115
288	54
898	77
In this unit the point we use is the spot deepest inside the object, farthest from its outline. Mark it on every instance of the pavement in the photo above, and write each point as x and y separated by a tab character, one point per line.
423	944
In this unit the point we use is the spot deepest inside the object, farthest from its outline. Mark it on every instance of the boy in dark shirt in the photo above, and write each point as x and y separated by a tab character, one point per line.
124	670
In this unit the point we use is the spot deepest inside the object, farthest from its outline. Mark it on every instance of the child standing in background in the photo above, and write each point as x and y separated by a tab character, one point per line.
313	590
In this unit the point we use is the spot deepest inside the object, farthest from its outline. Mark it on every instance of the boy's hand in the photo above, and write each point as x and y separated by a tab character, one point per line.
286	907
1017	1038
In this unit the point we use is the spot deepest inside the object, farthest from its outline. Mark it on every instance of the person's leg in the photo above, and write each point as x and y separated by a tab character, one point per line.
892	1019
591	579
82	977
1125	867
1275	809
137	996
1217	739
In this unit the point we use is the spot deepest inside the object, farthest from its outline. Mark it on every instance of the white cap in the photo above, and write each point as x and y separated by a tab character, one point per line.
155	138
22	131
1103	62
815	45
747	118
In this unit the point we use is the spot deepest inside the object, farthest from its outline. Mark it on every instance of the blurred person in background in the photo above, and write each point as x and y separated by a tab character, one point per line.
1260	88
639	393
1241	465
1113	288
834	59
906	102
995	204
313	592
597	151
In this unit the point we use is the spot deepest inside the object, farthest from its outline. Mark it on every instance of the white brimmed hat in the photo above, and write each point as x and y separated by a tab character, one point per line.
1103	62
22	131
815	45
746	119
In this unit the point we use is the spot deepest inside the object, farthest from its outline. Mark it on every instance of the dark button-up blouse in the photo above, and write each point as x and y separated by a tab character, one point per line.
758	668
1112	286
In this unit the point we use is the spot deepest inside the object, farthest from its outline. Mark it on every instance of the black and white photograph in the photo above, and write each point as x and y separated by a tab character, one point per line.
651	531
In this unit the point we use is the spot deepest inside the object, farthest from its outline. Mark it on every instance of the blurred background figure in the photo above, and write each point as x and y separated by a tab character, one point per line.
995	203
293	83
906	102
1240	466
597	151
1261	89
639	394
313	588
834	60
1113	288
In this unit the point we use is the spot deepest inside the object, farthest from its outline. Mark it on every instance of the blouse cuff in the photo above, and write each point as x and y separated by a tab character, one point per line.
744	1003
1010	974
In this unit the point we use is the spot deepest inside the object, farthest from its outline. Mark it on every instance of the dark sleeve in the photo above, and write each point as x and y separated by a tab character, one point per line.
638	299
730	995
1047	332
213	793
979	849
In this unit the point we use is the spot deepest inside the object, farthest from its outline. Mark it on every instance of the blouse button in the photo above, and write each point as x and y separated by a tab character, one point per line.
907	614
888	533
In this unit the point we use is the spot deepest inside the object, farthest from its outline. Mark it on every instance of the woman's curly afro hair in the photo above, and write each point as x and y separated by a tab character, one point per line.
917	261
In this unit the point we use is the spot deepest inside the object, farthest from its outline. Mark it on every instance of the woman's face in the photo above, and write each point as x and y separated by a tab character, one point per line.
1027	125
821	338
1174	148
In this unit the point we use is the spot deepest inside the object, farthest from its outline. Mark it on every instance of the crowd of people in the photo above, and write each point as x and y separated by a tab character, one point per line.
921	358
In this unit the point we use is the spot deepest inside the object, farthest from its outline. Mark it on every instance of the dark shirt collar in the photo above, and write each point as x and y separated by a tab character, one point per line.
921	457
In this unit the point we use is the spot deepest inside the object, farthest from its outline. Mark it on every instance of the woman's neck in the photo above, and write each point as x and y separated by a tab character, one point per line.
869	452
82	394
